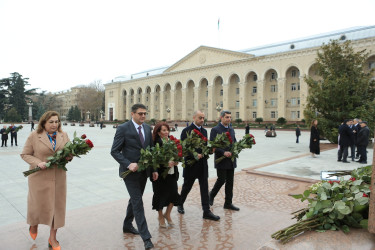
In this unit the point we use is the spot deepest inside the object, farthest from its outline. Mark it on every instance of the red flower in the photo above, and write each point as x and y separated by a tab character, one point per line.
365	195
172	137
352	179
83	136
204	139
179	154
197	131
330	182
251	136
179	147
177	141
88	142
254	142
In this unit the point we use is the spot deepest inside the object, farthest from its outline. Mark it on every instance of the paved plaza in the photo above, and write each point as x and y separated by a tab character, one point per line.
97	199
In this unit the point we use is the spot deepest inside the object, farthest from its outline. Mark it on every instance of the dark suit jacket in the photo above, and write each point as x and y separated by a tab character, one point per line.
3	135
363	136
126	147
345	136
298	131
200	168
226	163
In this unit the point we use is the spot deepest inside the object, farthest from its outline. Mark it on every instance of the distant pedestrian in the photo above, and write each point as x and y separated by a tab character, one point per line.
314	139
362	142
345	140
13	135
32	126
101	125
247	129
266	129
176	127
298	133
4	136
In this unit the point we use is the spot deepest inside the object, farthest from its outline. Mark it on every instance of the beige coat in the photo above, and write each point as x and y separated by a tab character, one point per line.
46	201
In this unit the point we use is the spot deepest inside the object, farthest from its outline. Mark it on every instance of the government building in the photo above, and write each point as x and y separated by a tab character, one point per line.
263	82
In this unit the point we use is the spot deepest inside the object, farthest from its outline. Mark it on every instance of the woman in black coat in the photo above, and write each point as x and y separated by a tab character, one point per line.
165	189
314	139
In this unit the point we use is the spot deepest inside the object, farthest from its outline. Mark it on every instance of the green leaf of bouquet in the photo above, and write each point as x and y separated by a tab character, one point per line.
357	182
340	204
326	185
346	210
345	229
327	226
306	193
323	196
74	134
364	223
362	200
297	196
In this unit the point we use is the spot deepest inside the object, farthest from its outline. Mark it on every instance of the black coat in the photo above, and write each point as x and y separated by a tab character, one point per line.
4	136
199	168
247	129
219	152
314	145
346	134
298	132
363	136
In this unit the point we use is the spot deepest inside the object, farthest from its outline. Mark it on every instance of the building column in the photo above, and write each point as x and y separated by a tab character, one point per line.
211	104
304	92
183	103
173	104
243	98
261	99
226	96
281	102
128	107
161	106
196	99
152	105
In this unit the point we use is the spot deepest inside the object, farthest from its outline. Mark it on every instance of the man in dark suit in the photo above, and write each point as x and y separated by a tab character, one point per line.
225	168
298	133
199	170
129	139
13	135
362	142
345	140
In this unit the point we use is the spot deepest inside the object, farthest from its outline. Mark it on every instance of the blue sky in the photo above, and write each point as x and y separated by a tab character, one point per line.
61	44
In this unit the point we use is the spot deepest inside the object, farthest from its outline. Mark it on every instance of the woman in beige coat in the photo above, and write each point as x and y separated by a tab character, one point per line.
46	201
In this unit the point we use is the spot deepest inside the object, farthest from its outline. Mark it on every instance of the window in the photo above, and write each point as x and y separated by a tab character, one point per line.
237	104
156	108
221	104
294	115
237	91
255	78
221	92
298	86
297	114
139	100
298	101
110	93
206	93
273	114
237	115
293	101
273	88
295	73
146	98
294	87
273	102
254	115
254	102
254	89
206	104
371	65
273	76
156	98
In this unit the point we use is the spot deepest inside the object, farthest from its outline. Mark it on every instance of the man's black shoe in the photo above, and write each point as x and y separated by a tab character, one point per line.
130	230
181	209
339	160
148	244
231	207
211	199
210	216
363	162
345	162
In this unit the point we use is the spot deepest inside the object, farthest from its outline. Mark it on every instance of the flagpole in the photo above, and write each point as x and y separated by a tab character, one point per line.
218	31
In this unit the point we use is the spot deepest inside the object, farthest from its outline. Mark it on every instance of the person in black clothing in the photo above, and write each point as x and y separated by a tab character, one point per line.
32	126
352	139
362	142
165	188
225	168
199	170
345	140
298	133
13	135
247	129
314	139
339	152
4	136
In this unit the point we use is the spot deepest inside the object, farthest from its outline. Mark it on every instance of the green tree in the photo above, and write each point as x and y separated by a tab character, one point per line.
12	116
281	121
77	114
345	90
259	120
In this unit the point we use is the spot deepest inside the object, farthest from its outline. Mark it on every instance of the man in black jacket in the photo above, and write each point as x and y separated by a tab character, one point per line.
13	135
225	168
345	140
199	170
362	142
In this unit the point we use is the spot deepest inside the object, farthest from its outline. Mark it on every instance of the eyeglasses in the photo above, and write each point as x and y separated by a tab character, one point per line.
142	113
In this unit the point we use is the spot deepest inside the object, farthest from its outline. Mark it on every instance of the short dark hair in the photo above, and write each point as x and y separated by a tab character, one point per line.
137	106
222	113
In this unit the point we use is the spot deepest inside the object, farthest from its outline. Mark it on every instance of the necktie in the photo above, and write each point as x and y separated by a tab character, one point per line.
141	135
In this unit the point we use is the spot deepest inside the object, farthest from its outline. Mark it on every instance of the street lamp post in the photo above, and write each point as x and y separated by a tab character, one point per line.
88	115
101	114
218	108
30	104
168	111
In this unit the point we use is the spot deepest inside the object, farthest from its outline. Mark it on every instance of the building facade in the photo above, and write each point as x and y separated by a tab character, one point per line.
266	82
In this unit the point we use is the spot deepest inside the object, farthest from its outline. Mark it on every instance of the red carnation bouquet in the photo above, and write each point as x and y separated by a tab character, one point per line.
170	150
78	146
247	142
